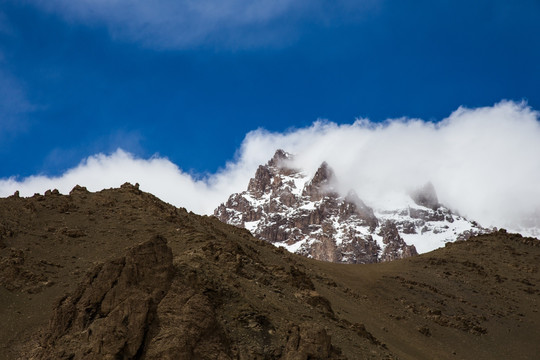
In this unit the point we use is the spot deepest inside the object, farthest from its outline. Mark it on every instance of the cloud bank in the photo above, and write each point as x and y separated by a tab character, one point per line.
156	175
178	24
483	162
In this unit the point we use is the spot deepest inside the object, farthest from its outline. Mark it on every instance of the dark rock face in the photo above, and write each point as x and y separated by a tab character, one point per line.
309	342
308	216
188	328
321	184
262	180
135	307
396	247
110	312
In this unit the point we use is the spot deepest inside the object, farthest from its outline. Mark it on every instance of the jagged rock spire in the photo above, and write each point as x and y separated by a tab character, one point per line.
262	180
321	184
279	157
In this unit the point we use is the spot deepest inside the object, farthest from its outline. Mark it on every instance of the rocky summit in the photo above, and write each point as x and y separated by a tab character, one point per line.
119	274
308	216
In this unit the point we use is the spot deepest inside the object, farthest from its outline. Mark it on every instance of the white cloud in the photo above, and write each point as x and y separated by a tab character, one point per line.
180	24
156	175
484	162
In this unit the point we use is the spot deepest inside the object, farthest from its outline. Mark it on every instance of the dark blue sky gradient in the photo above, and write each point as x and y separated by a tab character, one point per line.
93	93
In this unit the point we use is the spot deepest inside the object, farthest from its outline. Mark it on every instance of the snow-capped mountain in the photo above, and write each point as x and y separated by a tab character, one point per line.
309	217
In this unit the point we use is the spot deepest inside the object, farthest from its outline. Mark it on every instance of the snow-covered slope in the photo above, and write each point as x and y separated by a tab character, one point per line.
309	217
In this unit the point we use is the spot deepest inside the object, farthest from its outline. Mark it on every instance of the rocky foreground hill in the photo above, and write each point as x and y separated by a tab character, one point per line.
119	274
308	216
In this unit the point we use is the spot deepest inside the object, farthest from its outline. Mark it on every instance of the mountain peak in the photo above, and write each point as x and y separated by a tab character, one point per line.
324	174
308	216
280	156
322	183
262	180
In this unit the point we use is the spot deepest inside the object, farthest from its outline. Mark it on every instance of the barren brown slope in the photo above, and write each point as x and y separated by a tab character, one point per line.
223	294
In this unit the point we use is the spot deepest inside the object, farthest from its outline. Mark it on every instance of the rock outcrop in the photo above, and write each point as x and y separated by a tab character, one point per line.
142	306
395	248
309	342
109	314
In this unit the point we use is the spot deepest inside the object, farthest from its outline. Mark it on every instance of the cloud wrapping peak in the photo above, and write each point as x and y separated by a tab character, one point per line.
484	163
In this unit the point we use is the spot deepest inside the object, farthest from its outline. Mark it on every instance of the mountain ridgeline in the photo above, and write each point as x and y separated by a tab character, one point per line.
309	217
119	274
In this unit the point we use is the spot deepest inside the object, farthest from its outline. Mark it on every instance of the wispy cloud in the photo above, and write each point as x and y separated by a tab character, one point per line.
187	23
14	103
484	162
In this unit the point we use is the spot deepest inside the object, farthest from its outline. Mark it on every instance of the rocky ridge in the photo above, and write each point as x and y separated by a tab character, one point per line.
309	217
130	277
119	274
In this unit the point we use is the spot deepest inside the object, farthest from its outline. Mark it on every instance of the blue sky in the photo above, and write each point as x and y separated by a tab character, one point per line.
188	80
